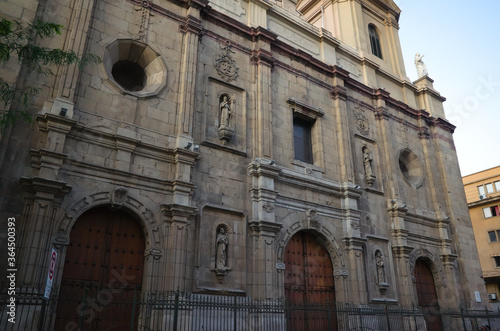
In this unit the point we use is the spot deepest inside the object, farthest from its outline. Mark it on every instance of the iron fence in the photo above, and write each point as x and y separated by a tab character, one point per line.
182	312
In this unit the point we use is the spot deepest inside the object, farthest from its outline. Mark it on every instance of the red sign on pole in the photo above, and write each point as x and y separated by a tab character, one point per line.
50	276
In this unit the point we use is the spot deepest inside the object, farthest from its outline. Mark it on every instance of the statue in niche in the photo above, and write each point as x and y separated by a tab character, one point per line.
221	250
367	164
379	259
421	67
226	109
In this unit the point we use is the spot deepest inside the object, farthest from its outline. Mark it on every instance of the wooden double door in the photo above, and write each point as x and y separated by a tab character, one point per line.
102	273
427	296
309	285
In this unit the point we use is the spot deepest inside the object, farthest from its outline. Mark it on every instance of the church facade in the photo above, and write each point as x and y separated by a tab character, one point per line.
268	149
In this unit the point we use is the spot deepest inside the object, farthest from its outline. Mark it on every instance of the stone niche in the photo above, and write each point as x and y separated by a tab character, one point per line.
368	165
221	98
214	276
380	275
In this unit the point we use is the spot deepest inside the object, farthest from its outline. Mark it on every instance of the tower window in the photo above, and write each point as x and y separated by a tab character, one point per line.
375	41
302	140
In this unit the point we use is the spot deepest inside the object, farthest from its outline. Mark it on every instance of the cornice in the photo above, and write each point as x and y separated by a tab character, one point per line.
262	57
443	124
191	24
484	202
35	185
305	108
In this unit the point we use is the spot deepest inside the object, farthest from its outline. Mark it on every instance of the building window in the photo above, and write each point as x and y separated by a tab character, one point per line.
302	140
481	190
497	186
491	211
494	236
497	261
375	41
489	188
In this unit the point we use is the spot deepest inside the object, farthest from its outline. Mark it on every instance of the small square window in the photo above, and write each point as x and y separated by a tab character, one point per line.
481	190
497	261
489	188
497	186
487	212
493	236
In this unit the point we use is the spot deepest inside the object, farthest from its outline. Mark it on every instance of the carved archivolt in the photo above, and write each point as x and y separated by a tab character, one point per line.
118	197
433	262
313	223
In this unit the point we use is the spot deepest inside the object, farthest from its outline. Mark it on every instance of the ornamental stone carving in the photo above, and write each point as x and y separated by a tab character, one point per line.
367	164
225	65
226	110
362	123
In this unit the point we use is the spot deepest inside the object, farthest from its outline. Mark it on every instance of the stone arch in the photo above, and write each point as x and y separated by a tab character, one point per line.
119	198
432	261
314	224
106	256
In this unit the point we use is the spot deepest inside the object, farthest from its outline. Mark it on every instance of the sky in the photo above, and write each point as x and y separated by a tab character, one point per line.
461	43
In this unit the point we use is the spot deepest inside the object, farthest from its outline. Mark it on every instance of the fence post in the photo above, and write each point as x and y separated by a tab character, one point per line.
414	316
328	314
176	310
361	317
82	316
42	314
387	316
234	313
133	311
463	317
487	316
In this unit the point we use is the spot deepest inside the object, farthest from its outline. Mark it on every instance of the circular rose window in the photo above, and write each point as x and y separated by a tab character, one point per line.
410	168
135	68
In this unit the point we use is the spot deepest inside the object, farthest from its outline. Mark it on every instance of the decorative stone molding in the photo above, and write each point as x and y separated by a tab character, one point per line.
304	109
118	197
341	273
155	253
268	207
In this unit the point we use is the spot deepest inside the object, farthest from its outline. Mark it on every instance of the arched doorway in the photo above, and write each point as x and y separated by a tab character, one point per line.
102	273
427	296
309	285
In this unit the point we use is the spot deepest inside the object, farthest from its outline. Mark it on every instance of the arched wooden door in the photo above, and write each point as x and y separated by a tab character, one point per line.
309	285
427	296
102	273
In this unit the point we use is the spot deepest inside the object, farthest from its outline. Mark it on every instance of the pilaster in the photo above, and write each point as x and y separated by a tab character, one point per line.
263	60
401	250
339	95
192	29
183	187
263	227
178	220
357	269
77	27
38	225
